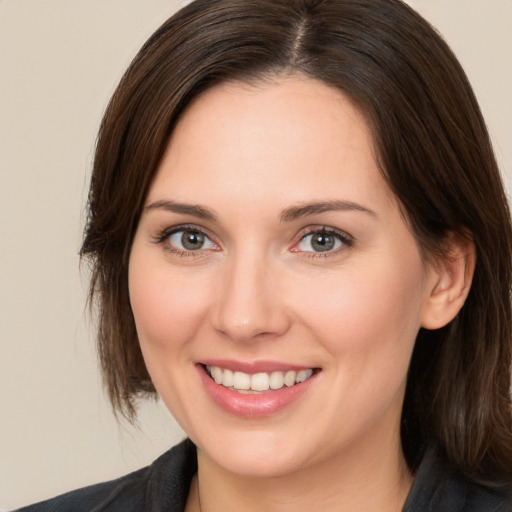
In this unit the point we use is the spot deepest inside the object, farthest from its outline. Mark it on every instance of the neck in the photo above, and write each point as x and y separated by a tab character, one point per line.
375	479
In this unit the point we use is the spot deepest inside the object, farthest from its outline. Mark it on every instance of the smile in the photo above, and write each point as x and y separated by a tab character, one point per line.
261	390
246	383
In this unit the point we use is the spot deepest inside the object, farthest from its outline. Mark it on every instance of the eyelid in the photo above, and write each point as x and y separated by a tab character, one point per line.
346	239
163	235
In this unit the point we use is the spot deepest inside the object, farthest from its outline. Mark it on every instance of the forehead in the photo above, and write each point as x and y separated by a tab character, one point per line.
292	134
285	109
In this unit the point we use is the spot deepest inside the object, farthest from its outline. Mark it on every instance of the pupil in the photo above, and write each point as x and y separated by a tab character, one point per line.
192	240
322	242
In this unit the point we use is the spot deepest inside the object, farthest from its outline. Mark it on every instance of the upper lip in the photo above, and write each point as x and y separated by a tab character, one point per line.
252	367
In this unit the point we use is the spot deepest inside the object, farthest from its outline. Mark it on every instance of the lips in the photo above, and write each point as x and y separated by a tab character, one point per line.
255	390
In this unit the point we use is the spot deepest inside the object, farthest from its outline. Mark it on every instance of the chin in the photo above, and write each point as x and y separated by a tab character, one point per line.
255	454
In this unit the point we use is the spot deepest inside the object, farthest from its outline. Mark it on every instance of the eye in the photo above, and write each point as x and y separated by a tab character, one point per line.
322	241
185	240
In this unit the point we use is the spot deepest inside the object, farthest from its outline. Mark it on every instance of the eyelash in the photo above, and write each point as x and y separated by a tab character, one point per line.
163	238
346	240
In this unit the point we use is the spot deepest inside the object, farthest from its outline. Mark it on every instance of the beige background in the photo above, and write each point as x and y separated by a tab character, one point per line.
59	62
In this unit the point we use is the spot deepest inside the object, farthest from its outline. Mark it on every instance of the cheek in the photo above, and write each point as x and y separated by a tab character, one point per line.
167	306
371	308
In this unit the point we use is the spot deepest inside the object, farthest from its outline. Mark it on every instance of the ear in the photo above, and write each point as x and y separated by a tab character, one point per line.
449	282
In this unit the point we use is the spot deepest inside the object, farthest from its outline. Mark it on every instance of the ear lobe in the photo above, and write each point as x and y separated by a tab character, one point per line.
449	283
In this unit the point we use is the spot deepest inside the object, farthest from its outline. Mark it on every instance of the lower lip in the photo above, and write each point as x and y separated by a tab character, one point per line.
253	405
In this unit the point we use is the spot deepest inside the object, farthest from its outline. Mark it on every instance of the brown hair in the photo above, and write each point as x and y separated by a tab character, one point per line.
433	149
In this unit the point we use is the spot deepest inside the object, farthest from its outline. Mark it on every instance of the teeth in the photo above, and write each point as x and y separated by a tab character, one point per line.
289	378
244	382
241	380
303	375
217	374
260	382
228	378
276	380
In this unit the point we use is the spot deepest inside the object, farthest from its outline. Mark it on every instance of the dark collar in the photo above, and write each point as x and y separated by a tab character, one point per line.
437	488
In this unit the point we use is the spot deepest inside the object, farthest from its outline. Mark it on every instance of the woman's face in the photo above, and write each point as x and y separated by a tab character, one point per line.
270	251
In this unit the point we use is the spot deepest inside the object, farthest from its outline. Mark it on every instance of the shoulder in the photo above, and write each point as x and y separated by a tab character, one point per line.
168	478
129	489
460	494
484	499
439	489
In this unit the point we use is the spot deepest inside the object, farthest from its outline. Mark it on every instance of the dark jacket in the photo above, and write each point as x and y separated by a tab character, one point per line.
164	485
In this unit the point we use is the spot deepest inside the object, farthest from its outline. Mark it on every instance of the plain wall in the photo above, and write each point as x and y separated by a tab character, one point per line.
59	62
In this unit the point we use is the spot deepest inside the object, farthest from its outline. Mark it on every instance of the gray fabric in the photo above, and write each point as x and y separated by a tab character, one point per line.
437	489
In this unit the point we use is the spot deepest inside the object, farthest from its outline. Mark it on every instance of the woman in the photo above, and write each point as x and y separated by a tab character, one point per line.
300	240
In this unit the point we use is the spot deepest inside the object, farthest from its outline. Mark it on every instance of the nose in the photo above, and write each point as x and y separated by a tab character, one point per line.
250	302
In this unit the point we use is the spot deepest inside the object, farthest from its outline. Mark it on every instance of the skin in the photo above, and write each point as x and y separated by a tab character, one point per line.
257	290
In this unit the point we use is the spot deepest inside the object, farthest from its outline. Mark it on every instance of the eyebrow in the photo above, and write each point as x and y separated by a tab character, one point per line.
287	215
306	210
186	209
